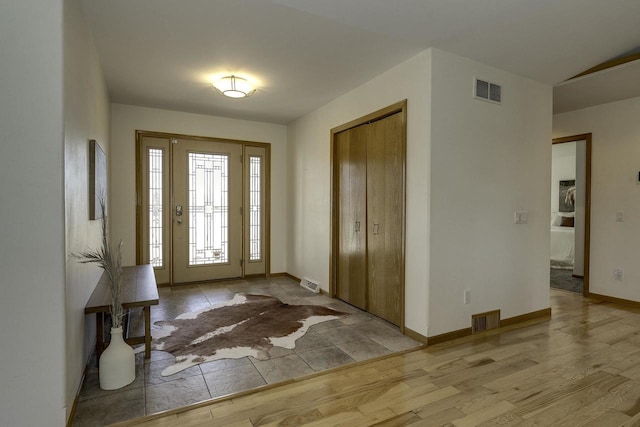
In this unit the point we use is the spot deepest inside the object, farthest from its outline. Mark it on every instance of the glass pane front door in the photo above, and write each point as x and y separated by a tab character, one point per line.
208	209
207	223
202	210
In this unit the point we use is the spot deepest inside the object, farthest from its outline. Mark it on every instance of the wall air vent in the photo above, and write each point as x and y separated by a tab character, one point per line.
487	91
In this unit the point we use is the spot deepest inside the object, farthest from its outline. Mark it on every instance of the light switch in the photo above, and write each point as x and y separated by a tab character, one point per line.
619	216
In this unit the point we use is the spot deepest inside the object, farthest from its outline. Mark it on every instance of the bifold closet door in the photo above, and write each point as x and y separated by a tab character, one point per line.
385	217
352	205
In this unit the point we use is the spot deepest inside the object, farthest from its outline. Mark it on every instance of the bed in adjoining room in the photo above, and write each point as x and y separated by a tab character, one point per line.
562	240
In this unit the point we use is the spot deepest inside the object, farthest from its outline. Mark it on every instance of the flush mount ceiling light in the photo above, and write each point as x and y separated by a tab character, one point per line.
234	87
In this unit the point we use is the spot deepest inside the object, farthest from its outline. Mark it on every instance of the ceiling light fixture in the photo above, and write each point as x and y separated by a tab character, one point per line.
234	87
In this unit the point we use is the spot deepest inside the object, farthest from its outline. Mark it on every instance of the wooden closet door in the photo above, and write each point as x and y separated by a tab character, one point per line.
352	186
385	217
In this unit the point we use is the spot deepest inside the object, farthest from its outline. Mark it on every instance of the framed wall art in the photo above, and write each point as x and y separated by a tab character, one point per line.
567	202
97	179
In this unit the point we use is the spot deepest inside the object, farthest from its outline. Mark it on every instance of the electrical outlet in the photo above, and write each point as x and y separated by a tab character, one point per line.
467	296
520	217
618	273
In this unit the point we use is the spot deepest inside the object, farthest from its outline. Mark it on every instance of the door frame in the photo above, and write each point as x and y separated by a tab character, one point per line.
267	202
587	203
397	108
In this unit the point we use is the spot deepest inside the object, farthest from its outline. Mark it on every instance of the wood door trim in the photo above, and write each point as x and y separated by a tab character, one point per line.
267	207
398	107
138	199
145	133
587	203
148	133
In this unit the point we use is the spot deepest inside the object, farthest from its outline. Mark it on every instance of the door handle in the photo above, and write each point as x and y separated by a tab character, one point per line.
376	228
179	214
357	226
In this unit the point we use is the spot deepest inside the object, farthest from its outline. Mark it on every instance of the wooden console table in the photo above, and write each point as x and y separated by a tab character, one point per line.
139	289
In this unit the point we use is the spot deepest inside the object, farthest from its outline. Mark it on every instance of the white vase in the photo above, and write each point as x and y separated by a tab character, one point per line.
117	366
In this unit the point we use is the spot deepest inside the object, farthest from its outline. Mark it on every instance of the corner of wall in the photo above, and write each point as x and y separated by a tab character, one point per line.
86	116
479	151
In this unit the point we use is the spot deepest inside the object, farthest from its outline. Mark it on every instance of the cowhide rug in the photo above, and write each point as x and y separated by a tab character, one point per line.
247	325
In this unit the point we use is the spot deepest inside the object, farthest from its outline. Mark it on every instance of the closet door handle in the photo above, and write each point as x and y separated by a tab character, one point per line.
376	228
357	226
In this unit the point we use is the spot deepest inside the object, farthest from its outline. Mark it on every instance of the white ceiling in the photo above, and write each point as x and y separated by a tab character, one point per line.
304	53
612	84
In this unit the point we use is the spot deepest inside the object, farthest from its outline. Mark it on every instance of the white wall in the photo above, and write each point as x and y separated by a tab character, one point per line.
86	117
126	119
309	184
615	132
488	161
32	253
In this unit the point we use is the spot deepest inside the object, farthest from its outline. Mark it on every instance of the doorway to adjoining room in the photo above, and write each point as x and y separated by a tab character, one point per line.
570	195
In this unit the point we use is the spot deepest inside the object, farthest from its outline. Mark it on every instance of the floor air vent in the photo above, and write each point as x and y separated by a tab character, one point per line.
311	285
484	321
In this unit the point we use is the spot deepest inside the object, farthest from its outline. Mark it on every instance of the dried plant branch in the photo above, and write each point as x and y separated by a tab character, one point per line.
111	262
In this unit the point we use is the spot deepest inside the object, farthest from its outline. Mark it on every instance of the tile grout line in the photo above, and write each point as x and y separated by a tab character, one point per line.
205	381
257	370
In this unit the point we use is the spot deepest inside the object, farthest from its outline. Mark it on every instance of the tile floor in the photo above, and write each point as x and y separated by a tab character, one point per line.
326	345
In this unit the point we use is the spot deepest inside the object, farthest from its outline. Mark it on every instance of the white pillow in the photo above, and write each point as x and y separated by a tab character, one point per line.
556	217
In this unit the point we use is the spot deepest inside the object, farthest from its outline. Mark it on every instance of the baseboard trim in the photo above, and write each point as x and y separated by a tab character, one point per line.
615	300
545	312
505	324
285	274
449	336
415	335
250	276
297	279
292	277
72	413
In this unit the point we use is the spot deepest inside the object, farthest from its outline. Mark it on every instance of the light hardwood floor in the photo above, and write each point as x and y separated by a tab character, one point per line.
580	368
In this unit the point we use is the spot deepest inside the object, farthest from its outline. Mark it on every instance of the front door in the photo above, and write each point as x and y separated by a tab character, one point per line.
203	208
207	210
